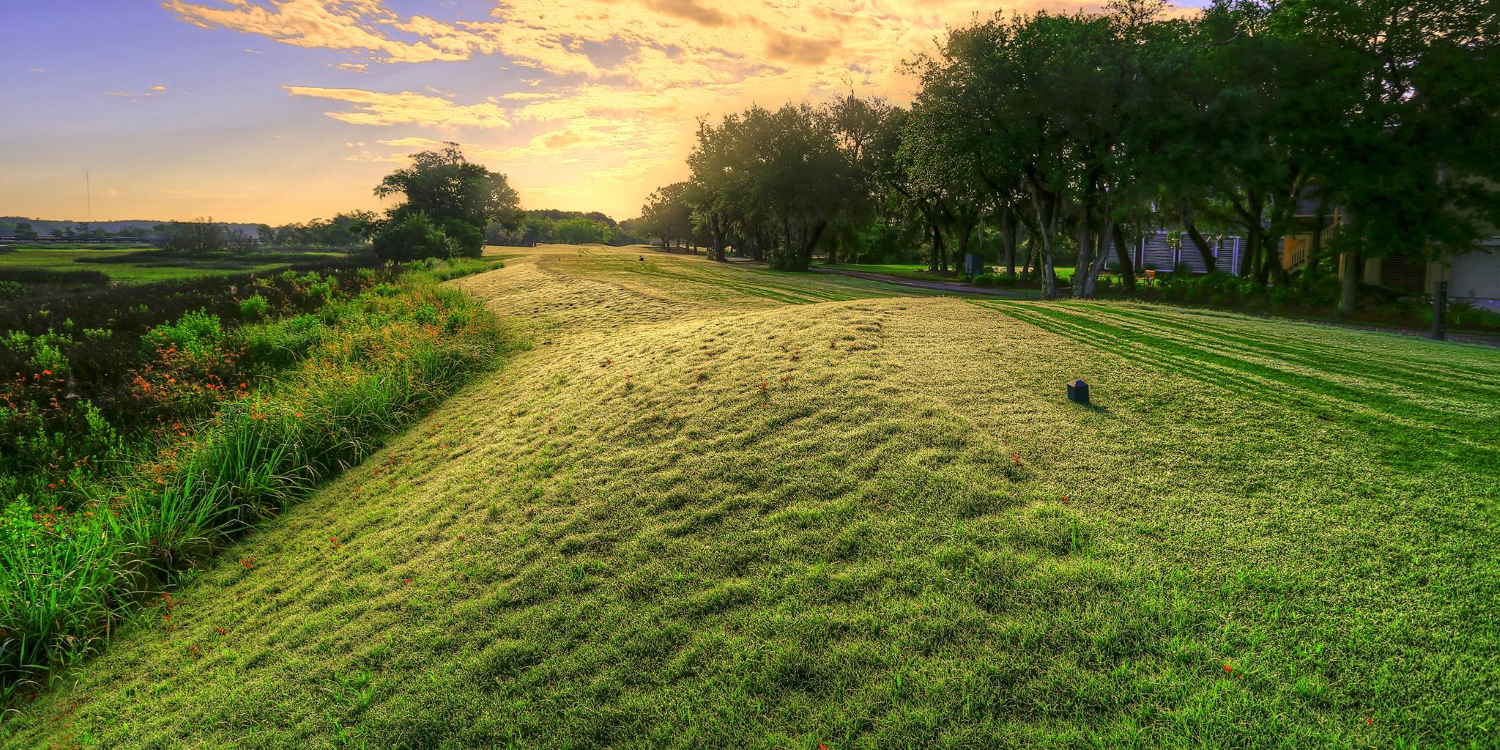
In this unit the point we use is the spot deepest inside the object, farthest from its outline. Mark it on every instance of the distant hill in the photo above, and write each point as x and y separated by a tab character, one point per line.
45	226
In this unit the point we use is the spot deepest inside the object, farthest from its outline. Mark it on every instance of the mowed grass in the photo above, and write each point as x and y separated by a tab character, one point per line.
146	271
912	271
919	272
714	507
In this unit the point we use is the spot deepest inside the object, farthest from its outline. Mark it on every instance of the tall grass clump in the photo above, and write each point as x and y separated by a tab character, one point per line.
332	384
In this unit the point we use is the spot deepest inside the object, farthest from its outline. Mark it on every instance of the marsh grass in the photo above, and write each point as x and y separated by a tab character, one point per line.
51	268
68	575
718	508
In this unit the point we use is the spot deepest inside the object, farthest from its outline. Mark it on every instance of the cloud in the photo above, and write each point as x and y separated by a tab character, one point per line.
690	10
524	96
802	50
38	70
150	91
329	24
406	108
610	86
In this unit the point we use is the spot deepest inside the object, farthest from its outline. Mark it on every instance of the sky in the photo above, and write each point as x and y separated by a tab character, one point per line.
285	110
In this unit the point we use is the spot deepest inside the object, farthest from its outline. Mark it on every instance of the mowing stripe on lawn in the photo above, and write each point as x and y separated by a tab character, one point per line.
1391	418
1375	363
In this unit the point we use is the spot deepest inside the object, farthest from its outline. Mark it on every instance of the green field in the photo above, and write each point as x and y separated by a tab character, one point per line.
914	271
919	272
722	507
134	265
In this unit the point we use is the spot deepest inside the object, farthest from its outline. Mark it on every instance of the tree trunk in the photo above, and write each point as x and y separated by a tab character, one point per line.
1085	256
718	231
962	256
1046	209
1127	265
1251	263
1209	261
779	260
1315	254
1349	288
1275	267
1008	239
943	258
937	248
1101	255
812	237
983	260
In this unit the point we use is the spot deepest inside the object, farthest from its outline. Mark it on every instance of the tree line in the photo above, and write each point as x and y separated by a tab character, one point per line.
564	227
1048	138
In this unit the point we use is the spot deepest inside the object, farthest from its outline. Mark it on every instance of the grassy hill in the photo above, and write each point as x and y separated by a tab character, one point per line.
719	507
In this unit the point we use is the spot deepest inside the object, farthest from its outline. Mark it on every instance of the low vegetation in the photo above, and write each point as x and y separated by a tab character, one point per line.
715	506
145	428
47	270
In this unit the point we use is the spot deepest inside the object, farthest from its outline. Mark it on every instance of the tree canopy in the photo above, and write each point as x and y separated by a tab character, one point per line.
454	197
1076	134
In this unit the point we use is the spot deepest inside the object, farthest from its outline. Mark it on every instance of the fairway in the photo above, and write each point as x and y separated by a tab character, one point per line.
715	506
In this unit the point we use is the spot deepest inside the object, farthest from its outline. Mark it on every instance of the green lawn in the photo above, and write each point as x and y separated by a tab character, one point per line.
717	507
915	271
919	272
142	268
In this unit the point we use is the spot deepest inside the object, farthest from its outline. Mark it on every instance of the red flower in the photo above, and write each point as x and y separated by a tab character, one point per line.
1228	669
461	537
406	580
1065	498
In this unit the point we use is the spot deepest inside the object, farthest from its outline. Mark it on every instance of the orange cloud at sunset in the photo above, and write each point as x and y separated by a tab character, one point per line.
586	104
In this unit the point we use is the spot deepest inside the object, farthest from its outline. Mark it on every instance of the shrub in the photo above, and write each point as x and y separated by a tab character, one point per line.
1461	313
254	307
10	290
1284	296
198	333
322	289
281	343
985	280
53	276
466	240
411	238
